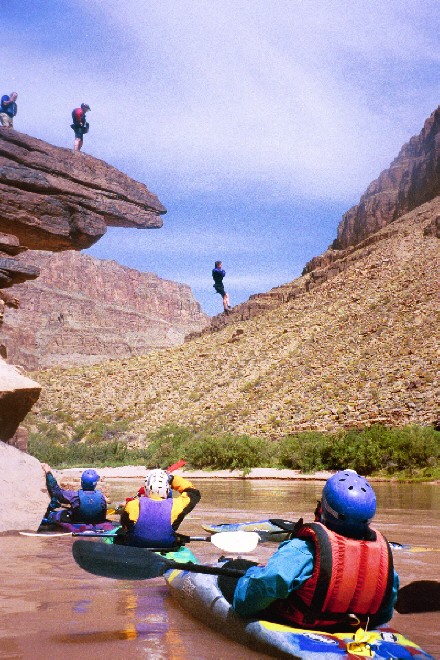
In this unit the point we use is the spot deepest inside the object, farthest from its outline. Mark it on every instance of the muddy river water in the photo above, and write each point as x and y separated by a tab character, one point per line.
50	608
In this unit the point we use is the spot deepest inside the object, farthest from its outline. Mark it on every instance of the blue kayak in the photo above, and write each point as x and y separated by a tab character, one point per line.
200	595
268	531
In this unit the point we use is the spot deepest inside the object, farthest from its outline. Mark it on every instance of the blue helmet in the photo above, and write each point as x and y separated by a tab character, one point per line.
89	479
348	504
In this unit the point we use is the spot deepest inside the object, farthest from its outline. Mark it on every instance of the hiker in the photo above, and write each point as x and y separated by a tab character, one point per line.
152	521
217	275
86	505
8	109
336	574
80	125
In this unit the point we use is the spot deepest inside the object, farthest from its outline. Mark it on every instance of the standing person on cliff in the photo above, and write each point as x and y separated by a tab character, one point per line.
80	125
217	275
8	109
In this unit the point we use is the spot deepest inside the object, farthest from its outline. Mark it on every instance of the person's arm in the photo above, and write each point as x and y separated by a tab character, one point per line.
55	490
286	570
189	497
386	614
130	514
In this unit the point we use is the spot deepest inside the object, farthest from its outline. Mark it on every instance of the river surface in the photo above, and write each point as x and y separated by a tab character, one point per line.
50	608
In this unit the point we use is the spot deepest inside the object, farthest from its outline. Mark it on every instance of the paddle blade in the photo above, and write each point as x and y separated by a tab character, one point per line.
119	562
236	542
176	466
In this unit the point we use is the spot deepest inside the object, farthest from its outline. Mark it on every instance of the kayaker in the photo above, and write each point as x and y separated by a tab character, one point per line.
152	521
334	574
86	505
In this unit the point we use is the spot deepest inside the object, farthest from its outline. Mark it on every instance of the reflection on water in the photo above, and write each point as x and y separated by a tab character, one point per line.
50	607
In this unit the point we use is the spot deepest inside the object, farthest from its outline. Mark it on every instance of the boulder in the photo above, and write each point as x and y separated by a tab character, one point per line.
23	494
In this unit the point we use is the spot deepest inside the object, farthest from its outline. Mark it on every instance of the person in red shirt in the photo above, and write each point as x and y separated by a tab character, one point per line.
80	126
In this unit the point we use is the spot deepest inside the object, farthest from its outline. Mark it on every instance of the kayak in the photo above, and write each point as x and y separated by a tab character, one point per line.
107	527
200	595
268	531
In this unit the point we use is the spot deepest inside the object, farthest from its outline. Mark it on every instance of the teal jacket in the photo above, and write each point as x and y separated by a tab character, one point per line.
287	570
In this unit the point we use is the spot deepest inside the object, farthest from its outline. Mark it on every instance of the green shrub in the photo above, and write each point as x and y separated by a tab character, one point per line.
228	452
302	451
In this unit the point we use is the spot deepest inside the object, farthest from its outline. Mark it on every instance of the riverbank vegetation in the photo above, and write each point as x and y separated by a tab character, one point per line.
407	452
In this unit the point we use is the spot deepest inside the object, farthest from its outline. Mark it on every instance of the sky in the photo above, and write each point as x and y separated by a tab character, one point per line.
257	123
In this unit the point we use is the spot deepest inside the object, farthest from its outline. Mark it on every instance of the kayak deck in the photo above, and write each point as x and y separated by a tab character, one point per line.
201	597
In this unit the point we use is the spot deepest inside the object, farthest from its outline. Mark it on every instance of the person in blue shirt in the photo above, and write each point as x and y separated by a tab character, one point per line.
8	109
86	505
336	574
217	275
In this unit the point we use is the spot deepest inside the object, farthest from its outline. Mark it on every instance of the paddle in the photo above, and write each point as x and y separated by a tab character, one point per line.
127	563
235	542
289	527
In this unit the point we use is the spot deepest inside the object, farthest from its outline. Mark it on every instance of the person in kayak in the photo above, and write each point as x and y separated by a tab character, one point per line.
336	574
86	505
80	125
217	275
152	521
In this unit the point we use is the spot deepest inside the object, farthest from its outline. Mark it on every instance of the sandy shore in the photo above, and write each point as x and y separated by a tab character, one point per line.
138	472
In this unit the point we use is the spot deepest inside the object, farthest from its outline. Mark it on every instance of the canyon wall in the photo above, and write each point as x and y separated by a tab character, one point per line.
83	310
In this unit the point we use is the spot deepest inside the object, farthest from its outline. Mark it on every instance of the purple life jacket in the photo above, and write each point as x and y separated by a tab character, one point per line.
153	527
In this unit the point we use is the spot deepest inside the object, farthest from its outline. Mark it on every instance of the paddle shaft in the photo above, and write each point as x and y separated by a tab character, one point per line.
203	568
98	535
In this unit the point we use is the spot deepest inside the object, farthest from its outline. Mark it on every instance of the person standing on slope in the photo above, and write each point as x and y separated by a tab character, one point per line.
336	574
217	275
80	125
152	521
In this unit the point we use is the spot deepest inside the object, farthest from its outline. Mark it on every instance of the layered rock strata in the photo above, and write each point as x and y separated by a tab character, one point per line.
83	310
53	199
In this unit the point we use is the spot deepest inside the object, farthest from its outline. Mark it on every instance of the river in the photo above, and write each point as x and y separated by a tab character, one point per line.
50	608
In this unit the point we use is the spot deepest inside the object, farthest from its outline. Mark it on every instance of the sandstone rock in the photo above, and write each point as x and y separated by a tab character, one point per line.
412	179
54	199
23	494
17	396
83	310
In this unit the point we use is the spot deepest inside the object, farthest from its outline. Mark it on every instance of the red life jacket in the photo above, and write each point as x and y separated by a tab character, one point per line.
78	116
352	580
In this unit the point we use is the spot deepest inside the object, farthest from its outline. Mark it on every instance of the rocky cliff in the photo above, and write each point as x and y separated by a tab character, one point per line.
412	179
82	310
53	199
50	199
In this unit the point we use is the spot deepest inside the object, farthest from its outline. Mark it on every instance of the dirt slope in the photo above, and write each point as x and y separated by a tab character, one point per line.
359	349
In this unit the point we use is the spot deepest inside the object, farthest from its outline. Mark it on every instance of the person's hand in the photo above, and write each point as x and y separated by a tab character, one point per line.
46	467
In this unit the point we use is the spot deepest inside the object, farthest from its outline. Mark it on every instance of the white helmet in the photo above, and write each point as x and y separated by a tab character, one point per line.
157	484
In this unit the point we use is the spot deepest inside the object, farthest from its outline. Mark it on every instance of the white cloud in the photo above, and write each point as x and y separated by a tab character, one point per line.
224	92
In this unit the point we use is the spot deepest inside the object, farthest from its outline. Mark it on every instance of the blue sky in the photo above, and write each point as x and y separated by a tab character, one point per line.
256	123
